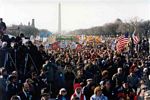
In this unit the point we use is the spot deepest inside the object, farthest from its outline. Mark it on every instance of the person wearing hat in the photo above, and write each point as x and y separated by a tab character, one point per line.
26	94
15	97
147	95
45	96
88	90
125	92
108	90
140	92
3	78
98	95
12	87
62	94
78	95
118	77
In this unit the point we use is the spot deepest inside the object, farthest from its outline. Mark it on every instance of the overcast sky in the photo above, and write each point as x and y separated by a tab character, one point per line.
76	14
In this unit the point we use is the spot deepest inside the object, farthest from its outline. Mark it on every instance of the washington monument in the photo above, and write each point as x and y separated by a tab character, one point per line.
59	18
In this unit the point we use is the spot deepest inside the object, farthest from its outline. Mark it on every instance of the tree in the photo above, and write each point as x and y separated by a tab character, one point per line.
26	30
145	28
118	27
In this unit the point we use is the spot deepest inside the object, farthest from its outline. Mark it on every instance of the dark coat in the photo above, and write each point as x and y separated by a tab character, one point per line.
11	89
24	97
2	89
60	97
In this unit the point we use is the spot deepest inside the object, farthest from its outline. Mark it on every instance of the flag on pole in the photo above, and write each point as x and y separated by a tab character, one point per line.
113	45
73	45
122	41
135	38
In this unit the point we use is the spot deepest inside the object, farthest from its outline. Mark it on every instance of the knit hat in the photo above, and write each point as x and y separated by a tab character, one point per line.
4	44
77	85
61	90
145	70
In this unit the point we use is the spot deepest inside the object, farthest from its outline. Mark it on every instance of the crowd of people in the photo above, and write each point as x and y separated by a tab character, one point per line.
30	72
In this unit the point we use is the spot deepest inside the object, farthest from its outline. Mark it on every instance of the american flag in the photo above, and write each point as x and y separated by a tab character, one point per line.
135	38
122	41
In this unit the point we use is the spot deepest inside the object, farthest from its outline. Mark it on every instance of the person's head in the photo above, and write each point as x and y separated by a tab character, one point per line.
14	73
45	96
101	84
3	71
12	79
79	72
21	35
125	85
147	95
68	68
105	74
98	91
29	81
143	87
63	92
34	75
77	88
26	87
4	44
119	70
41	48
89	61
1	19
145	70
131	73
141	82
107	84
89	81
15	97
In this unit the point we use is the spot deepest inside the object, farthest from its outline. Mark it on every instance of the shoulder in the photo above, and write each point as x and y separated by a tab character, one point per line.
72	96
59	97
93	96
105	98
22	95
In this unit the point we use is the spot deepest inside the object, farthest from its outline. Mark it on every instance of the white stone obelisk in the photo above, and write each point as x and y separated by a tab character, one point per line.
59	18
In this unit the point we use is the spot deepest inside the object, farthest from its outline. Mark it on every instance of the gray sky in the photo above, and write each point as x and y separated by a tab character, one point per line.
76	14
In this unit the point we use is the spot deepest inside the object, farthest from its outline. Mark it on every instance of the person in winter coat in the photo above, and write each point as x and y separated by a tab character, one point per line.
98	94
12	87
88	90
3	78
78	95
108	90
62	94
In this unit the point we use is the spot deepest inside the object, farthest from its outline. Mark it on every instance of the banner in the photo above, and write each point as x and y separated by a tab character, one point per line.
51	39
89	38
63	44
98	39
95	39
71	38
73	45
